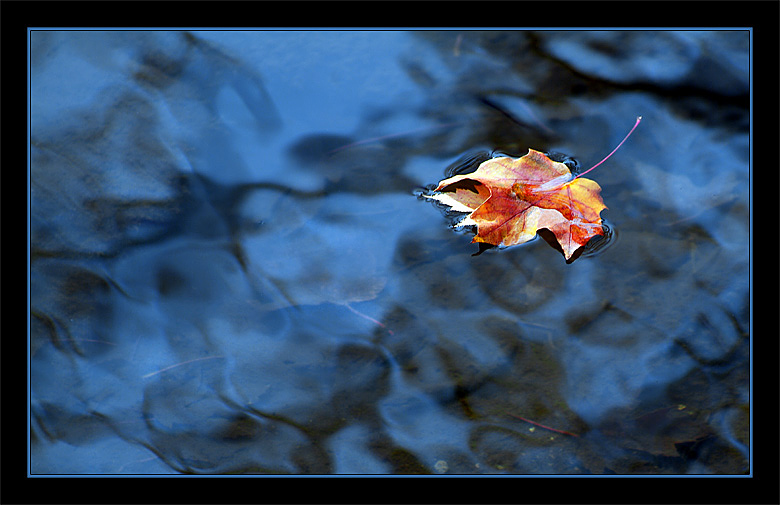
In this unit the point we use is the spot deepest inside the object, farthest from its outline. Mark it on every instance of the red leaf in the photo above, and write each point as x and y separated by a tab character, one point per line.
509	199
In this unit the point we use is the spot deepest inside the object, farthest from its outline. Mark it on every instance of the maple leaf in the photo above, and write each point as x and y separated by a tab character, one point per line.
510	199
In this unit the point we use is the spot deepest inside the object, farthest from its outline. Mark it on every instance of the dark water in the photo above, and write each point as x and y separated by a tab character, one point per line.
231	271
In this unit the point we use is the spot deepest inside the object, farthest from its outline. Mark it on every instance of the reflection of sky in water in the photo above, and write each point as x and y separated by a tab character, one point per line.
227	269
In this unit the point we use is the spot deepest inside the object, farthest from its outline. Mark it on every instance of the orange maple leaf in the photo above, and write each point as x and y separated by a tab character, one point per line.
510	199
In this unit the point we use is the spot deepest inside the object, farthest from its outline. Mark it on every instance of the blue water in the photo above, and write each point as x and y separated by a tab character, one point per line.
231	270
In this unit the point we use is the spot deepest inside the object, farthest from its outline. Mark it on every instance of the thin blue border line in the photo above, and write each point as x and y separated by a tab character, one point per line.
392	475
750	261
396	29
29	207
750	254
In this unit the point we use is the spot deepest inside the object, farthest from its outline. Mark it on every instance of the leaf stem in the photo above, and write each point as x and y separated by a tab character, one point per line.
365	316
542	426
638	119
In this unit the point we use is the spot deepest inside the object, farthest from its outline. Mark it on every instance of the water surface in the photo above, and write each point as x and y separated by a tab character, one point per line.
231	270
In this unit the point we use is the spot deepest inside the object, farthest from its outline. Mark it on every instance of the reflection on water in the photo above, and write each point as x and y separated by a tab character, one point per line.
230	270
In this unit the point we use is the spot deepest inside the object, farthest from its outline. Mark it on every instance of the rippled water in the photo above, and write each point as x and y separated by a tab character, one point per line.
231	270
